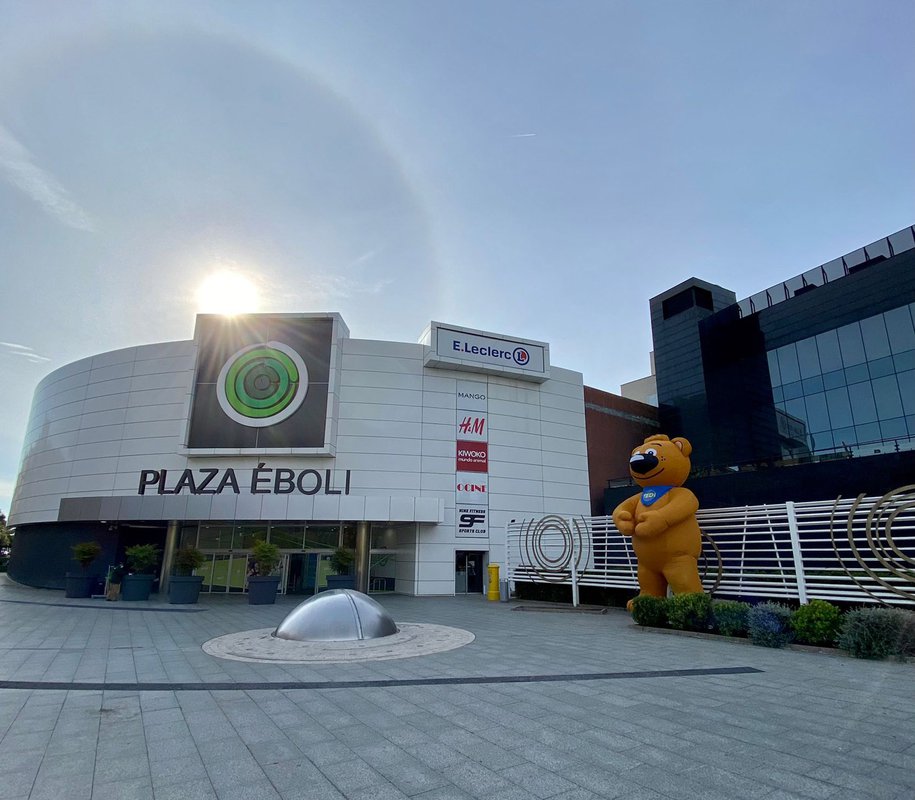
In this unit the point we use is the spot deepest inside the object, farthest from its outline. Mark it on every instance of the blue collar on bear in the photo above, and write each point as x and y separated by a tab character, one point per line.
651	494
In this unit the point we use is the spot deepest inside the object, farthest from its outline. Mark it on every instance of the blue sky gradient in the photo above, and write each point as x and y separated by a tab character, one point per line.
535	168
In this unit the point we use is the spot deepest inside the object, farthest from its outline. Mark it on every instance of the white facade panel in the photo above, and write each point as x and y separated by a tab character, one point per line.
100	424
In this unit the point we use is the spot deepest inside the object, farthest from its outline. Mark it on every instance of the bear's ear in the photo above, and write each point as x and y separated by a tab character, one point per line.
683	444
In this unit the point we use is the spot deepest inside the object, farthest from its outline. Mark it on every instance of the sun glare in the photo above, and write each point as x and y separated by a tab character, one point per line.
227	293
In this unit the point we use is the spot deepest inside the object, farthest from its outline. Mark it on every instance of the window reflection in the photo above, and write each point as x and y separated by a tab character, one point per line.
854	384
851	344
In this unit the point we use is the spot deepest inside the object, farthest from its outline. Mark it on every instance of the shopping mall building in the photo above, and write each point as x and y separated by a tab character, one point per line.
281	426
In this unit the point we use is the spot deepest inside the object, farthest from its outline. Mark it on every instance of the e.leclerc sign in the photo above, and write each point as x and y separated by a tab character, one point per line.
478	351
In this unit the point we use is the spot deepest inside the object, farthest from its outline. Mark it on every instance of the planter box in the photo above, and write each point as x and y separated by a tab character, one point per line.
262	589
184	589
136	587
341	581
79	585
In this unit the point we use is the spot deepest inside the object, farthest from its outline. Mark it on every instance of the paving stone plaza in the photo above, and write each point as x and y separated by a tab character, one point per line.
119	700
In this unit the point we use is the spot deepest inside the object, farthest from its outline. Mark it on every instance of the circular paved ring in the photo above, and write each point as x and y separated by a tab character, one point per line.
262	384
412	639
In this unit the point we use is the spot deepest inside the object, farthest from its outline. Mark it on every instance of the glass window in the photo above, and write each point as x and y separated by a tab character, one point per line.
774	374
828	347
863	408
246	534
188	536
851	344
893	428
215	536
792	390
904	361
778	394
900	329
812	385
821	441
348	538
322	537
880	367
886	397
287	537
384	537
844	437
817	415
857	374
876	343
839	408
868	434
787	364
796	408
833	380
807	358
907	390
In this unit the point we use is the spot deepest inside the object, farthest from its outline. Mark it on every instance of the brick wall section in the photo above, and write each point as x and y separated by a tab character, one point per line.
614	425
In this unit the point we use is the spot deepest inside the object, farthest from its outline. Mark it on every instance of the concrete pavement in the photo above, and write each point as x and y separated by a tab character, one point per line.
118	700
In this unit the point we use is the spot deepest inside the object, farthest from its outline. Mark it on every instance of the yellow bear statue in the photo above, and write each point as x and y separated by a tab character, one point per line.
662	519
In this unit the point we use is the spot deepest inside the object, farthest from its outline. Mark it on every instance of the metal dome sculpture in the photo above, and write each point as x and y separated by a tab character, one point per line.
339	615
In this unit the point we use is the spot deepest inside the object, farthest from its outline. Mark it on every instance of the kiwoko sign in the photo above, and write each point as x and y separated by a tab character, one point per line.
457	348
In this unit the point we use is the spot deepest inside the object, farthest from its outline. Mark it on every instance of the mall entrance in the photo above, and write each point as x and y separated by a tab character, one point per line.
468	571
306	573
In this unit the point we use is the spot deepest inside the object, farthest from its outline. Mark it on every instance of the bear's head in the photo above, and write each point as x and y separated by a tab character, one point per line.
660	461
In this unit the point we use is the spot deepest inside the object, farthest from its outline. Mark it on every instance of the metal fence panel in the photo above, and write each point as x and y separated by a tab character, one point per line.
859	550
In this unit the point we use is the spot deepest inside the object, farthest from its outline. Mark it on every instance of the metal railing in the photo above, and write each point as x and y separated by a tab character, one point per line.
857	550
882	249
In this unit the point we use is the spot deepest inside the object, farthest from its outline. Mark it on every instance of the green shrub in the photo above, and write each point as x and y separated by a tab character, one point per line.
187	559
266	555
84	553
907	636
877	633
690	612
768	625
730	617
341	560
142	558
650	611
817	623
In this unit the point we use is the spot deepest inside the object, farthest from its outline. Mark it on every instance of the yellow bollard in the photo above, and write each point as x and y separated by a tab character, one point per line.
493	591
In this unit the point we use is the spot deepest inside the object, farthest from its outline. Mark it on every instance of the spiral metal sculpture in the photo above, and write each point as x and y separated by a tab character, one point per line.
894	508
549	543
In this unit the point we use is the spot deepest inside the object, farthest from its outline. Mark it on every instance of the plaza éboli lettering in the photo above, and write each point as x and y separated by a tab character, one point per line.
263	480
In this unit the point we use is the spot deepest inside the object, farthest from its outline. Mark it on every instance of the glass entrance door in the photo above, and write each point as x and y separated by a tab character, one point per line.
468	572
306	573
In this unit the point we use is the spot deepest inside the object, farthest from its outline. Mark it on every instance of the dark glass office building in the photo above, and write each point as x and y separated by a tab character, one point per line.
819	369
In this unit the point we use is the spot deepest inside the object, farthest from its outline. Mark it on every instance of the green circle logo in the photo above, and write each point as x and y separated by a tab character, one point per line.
262	384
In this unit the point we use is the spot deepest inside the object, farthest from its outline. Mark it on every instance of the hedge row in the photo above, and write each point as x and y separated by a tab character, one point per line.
863	632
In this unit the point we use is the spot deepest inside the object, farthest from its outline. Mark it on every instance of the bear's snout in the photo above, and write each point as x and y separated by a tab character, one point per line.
642	463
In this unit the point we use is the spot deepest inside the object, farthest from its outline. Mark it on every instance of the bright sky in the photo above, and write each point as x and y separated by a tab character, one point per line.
538	169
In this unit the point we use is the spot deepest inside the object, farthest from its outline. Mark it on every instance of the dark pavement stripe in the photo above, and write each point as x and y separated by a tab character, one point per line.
378	684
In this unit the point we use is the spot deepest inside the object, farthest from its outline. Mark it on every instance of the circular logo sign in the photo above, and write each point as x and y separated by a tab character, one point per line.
262	384
521	356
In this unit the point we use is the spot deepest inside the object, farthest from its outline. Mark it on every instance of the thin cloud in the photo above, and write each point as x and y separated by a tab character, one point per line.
22	351
367	256
18	164
522	135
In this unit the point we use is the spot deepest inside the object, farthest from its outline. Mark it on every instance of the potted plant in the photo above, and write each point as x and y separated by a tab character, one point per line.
141	561
262	586
341	562
80	584
184	586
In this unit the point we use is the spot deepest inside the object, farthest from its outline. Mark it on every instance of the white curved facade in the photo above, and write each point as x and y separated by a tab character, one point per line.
108	440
